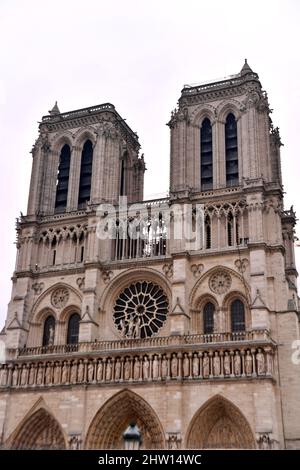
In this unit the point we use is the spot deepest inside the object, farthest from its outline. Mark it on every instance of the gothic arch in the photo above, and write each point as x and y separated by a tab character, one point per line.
231	106
229	298
109	423
43	297
68	311
202	112
62	138
197	312
87	133
196	293
38	430
219	424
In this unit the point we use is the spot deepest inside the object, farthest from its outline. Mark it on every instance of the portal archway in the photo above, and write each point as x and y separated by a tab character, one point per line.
219	424
107	427
39	431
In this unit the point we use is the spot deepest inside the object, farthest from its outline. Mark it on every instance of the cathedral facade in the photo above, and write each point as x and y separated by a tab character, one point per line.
179	315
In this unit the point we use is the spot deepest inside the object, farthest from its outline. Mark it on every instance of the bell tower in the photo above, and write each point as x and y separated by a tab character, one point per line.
82	158
222	136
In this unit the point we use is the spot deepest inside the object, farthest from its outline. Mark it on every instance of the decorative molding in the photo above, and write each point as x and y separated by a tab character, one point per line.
197	269
258	301
60	297
38	287
107	275
220	282
241	265
168	270
80	282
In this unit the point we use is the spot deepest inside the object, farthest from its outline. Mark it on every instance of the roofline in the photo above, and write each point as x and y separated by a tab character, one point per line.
83	112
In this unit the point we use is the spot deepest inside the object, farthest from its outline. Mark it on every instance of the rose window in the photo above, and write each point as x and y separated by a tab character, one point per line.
220	282
140	310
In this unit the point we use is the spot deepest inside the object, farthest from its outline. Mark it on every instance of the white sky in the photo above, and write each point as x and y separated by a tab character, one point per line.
136	55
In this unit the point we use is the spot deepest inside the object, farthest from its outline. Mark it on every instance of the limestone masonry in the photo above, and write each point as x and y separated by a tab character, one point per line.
191	337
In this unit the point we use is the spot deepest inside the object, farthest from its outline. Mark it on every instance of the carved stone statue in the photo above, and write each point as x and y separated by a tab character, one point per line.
90	372
237	363
136	368
127	367
155	368
24	375
260	359
248	363
3	377
56	375
40	375
164	367
131	325
227	367
15	376
195	365
216	364
73	377
80	371
117	369
51	336
174	366
48	374
146	366
186	365
137	328
123	328
64	375
108	372
99	371
205	365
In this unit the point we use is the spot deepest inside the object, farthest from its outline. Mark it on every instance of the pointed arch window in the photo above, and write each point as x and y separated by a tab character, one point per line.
49	331
123	174
231	151
208	318
237	316
85	174
62	182
207	232
206	155
73	329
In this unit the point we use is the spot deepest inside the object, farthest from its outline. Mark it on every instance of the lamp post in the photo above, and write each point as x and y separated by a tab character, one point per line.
132	437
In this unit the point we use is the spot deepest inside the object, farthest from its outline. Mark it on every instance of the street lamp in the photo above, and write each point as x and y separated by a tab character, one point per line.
132	437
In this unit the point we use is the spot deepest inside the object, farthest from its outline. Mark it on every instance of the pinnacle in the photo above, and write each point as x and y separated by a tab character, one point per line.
54	110
246	69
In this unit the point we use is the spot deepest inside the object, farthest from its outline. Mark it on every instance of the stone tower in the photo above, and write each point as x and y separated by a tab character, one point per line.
116	314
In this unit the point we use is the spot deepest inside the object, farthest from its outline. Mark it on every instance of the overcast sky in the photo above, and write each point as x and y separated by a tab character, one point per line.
136	55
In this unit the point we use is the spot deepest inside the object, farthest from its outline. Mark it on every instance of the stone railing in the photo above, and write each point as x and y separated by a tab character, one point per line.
80	112
145	343
212	361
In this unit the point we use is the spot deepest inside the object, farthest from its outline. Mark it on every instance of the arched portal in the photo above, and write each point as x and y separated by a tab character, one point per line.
107	427
39	431
219	424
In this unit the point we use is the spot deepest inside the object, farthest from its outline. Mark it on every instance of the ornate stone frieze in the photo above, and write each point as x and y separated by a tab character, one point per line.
200	364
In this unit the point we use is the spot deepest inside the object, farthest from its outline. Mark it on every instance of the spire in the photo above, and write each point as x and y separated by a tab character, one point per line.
55	110
246	69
